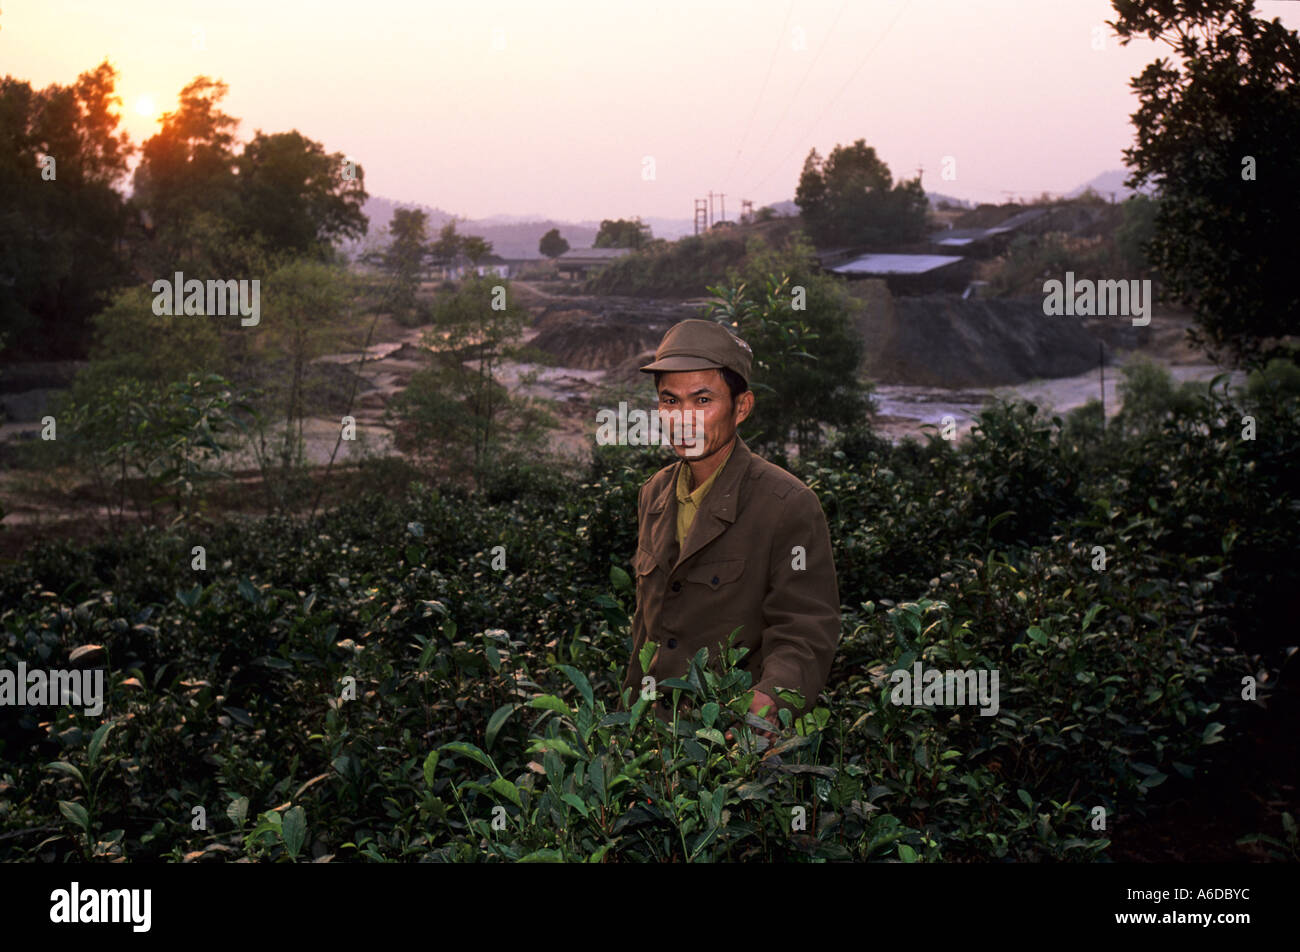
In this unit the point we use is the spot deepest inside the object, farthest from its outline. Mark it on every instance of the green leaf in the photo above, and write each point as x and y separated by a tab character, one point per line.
580	681
647	655
621	581
541	744
543	856
249	591
549	702
190	597
70	770
573	800
470	751
1153	780
293	829
1037	634
76	813
709	713
97	742
430	765
507	789
495	722
426	656
1211	733
1026	798
238	810
906	853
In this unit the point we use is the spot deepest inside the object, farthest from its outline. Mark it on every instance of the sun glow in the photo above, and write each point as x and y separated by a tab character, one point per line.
145	106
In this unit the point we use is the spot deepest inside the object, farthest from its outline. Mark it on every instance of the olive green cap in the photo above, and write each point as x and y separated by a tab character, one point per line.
701	345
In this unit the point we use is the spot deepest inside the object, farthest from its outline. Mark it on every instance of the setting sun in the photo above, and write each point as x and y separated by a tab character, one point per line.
145	106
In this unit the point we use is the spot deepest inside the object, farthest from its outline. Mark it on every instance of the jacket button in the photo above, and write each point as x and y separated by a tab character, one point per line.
715	580
677	586
672	642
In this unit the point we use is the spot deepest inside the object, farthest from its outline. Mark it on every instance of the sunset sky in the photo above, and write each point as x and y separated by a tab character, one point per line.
552	108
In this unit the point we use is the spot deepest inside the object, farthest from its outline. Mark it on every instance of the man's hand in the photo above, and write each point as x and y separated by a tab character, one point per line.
757	706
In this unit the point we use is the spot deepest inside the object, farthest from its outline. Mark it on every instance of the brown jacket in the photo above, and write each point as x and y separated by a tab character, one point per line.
739	566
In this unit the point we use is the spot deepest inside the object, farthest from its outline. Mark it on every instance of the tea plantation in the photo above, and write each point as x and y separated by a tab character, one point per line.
378	686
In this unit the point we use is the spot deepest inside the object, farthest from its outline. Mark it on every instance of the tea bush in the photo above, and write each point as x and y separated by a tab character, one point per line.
385	684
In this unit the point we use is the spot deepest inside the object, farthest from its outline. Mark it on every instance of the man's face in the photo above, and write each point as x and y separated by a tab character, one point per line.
701	398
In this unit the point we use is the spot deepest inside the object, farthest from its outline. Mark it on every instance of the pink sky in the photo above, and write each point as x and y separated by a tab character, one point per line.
554	108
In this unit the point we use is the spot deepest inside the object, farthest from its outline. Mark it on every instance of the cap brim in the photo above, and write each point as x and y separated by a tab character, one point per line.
683	362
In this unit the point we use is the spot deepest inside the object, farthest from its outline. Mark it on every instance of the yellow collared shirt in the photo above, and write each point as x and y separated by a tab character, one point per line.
688	503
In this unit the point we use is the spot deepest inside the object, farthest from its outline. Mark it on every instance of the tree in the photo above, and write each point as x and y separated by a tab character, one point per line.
308	309
475	248
1136	231
851	199
187	169
1219	137
62	220
622	233
806	349
209	208
447	248
295	197
552	245
457	410
404	261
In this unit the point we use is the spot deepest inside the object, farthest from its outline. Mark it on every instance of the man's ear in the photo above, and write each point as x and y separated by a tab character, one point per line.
744	406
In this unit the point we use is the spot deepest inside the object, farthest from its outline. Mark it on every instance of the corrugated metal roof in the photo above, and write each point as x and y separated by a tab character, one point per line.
964	236
594	253
895	264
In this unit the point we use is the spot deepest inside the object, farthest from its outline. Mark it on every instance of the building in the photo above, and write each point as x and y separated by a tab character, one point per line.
910	273
580	262
454	270
988	242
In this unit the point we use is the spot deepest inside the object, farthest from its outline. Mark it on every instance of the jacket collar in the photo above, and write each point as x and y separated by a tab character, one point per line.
717	512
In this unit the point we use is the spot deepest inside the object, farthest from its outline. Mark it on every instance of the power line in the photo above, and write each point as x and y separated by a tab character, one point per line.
831	102
762	89
806	73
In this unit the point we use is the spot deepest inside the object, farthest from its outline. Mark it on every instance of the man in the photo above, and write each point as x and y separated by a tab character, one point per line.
728	540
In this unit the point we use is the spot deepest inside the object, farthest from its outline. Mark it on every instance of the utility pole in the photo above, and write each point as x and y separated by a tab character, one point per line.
701	215
746	210
710	209
919	169
722	196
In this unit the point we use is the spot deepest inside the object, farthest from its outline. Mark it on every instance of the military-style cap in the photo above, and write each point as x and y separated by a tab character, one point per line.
701	345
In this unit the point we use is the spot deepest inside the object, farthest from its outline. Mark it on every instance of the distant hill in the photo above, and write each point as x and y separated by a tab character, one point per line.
1107	182
935	198
511	236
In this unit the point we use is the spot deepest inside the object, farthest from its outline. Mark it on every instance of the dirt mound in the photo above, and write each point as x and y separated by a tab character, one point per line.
601	333
942	340
409	353
594	344
627	376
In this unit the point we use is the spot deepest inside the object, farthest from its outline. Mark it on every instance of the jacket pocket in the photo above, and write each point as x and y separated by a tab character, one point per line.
716	574
643	563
